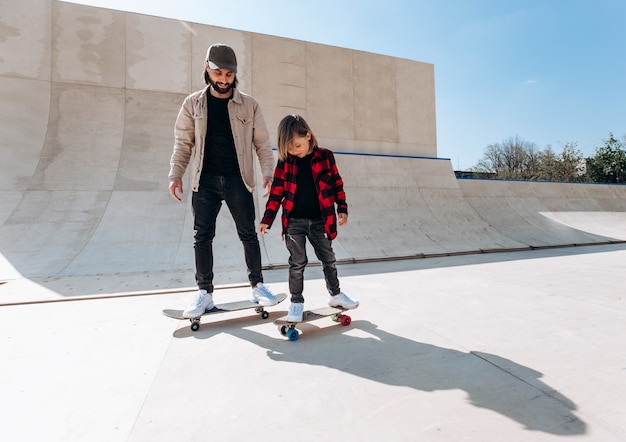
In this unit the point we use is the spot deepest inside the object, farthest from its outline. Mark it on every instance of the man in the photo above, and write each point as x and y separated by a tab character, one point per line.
218	130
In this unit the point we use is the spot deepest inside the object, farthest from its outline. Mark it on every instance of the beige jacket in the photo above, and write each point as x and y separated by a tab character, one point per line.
249	132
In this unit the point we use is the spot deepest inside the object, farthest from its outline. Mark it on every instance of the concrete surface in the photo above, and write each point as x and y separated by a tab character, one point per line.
520	346
468	341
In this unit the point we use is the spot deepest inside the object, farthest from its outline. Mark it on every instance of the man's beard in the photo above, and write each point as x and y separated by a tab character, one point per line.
221	90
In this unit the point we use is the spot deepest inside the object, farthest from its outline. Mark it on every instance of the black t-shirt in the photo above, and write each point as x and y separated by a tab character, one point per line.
306	203
220	156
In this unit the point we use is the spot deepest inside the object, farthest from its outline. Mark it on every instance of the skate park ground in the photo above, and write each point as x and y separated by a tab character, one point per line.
517	346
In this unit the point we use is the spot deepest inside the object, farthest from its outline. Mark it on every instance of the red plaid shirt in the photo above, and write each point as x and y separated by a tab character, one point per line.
328	184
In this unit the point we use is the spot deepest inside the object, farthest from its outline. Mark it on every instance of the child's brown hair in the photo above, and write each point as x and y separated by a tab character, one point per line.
289	127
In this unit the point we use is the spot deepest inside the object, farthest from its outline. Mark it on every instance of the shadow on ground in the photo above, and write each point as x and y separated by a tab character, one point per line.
490	381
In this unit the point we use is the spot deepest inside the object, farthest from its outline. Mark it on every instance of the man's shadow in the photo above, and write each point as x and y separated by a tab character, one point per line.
491	382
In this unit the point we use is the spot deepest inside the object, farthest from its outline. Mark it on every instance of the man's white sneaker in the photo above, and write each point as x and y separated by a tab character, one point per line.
295	312
262	295
342	300
201	303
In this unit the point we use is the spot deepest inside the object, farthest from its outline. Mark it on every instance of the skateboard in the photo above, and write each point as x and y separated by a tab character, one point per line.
288	328
224	308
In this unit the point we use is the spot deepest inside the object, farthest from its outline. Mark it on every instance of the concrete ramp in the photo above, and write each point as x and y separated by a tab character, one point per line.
86	132
540	214
84	194
402	206
83	188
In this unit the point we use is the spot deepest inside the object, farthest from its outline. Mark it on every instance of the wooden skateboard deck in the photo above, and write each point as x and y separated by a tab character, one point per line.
224	308
288	328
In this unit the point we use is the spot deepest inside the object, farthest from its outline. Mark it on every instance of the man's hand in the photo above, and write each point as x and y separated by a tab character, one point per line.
343	218
176	184
264	229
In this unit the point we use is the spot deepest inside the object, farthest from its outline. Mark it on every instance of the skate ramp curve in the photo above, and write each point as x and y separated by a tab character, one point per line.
84	194
415	207
86	143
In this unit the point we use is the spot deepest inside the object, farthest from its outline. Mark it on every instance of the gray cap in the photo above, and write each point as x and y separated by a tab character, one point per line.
221	56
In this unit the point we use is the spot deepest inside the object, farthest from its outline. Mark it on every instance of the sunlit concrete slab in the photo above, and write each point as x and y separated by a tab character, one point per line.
83	141
26	34
158	53
523	346
86	45
24	114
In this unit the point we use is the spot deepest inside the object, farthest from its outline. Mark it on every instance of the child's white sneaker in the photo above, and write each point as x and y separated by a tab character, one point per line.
201	303
262	295
343	301
295	312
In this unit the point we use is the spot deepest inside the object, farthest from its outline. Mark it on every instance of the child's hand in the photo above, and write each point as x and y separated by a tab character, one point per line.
343	218
264	229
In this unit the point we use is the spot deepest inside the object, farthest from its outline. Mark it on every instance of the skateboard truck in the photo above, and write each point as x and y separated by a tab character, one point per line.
195	322
288	328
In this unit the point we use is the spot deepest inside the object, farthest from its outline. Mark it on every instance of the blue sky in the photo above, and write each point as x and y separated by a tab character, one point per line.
548	71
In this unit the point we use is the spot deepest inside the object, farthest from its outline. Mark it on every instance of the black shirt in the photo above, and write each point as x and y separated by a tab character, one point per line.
220	156
306	203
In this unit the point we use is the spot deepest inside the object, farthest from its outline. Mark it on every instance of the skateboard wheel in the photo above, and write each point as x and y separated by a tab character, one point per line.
195	326
283	330
346	320
292	334
336	317
265	314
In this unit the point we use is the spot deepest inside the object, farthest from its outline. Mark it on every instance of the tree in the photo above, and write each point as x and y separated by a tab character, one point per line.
518	159
569	165
608	165
514	158
548	163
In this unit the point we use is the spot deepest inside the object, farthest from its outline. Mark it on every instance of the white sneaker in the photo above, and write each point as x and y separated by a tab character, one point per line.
262	295
201	303
295	312
343	301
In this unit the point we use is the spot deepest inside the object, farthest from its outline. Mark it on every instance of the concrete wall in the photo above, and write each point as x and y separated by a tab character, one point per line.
355	101
89	99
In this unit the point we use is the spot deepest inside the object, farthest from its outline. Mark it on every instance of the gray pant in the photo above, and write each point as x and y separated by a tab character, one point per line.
298	230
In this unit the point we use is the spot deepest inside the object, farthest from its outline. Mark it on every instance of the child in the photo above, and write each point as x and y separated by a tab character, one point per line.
307	184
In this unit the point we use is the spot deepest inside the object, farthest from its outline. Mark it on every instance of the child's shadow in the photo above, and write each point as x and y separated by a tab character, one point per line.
491	382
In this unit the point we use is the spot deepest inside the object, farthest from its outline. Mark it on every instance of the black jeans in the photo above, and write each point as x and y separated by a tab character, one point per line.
298	230
206	203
